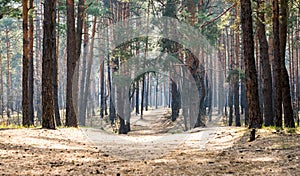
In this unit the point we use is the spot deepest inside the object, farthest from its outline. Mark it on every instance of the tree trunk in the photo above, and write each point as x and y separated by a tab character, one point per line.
82	118
143	96
1	87
250	70
220	82
237	76
47	66
137	93
175	101
71	117
55	76
147	92
31	67
25	89
277	67
230	75
112	110
78	35
83	74
156	92
266	68
102	101
38	56
286	93
197	70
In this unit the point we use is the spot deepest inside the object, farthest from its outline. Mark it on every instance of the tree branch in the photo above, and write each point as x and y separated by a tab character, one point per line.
219	16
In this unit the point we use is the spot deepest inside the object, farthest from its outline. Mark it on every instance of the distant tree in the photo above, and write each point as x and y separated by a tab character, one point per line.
87	91
49	42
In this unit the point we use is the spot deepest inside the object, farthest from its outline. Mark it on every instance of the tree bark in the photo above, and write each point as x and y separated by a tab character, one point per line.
84	70
1	88
82	118
143	95
277	67
71	117
31	67
286	93
250	70
175	101
55	76
38	58
237	76
25	89
266	68
49	42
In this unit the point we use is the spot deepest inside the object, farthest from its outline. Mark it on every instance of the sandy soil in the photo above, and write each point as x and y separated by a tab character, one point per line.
208	151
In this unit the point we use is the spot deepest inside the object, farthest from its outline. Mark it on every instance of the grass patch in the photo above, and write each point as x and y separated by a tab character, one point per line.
272	128
4	126
291	130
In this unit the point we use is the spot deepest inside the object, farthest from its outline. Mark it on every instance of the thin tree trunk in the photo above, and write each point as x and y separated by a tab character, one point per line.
156	93
143	96
297	52
1	87
147	92
83	74
175	101
38	56
137	93
8	74
31	67
277	67
231	80
25	89
236	78
220	82
82	119
55	75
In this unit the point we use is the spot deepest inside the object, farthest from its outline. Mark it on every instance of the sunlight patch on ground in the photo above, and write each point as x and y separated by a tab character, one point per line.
264	159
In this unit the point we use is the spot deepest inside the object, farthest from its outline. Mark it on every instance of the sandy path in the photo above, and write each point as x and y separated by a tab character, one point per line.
147	140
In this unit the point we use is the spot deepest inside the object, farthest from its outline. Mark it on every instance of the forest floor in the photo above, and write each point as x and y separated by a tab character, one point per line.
156	146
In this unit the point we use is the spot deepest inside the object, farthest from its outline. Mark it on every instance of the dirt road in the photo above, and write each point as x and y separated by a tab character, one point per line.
148	150
149	138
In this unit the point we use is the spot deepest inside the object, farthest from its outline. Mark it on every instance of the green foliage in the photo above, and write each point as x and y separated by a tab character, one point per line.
291	130
236	73
96	9
62	28
10	8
